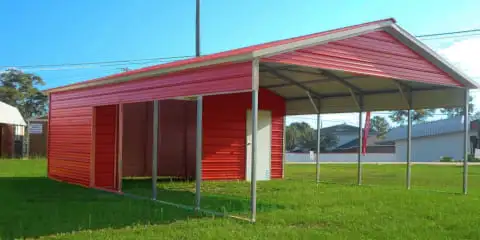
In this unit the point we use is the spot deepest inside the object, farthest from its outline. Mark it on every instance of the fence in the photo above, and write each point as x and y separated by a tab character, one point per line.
382	169
340	158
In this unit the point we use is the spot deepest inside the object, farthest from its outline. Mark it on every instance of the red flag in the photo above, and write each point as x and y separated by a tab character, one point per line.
366	130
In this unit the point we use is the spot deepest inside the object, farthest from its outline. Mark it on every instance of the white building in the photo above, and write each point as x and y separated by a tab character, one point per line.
431	140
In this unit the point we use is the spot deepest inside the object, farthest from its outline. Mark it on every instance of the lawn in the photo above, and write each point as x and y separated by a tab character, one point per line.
294	208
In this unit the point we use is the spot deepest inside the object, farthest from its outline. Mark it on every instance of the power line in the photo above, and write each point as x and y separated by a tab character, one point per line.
448	33
62	66
77	67
449	37
132	61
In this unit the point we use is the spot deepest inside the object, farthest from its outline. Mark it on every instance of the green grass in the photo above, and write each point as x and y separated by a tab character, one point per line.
295	208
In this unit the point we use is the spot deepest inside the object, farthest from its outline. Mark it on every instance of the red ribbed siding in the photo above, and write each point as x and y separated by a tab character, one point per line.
172	145
70	138
376	54
224	132
106	146
69	145
217	79
135	118
6	140
176	150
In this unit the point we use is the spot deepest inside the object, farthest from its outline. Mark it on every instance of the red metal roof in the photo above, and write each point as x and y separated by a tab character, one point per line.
225	54
372	54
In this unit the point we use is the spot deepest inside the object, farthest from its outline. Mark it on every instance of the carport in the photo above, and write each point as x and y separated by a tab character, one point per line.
374	66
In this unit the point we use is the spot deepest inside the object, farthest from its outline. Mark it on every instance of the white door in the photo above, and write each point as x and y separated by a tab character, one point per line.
264	145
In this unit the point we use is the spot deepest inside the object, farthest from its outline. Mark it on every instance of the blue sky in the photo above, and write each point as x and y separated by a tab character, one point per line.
58	32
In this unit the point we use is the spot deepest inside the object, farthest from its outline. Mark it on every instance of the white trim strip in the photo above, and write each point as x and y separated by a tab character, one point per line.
422	49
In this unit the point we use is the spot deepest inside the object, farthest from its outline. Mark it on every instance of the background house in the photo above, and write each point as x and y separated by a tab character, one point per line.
11	131
374	145
431	140
345	134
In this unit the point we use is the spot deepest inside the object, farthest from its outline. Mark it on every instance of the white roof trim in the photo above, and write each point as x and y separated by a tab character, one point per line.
424	51
10	115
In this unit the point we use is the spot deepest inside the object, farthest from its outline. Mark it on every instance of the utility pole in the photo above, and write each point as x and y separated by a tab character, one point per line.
197	30
199	132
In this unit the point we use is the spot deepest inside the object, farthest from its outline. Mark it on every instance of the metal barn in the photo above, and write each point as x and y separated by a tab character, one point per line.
221	116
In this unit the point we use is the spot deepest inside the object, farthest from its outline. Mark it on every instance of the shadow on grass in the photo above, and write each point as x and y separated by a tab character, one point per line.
183	192
34	207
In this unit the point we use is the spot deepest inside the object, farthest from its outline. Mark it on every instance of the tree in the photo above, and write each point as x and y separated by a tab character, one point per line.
476	116
20	90
454	112
418	116
297	134
380	125
300	134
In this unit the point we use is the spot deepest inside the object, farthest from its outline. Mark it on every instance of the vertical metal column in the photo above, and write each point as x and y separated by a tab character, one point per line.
13	140
253	188
155	150
120	147
284	144
466	139
360	143
409	148
198	152
26	136
197	28
317	160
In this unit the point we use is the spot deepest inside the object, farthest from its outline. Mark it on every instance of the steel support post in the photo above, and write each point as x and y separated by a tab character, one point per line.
120	147
155	150
199	153
360	143
317	159
466	140
253	188
409	149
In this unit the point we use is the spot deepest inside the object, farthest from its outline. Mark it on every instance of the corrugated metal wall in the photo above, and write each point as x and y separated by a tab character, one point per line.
70	123
6	140
222	78
172	150
376	54
224	136
224	132
173	139
135	126
69	143
106	123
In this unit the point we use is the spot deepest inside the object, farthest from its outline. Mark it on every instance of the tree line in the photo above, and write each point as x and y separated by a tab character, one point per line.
21	90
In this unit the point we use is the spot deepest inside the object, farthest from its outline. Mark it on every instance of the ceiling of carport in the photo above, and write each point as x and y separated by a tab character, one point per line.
338	91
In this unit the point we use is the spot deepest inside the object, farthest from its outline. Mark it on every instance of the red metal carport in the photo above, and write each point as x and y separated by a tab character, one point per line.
368	67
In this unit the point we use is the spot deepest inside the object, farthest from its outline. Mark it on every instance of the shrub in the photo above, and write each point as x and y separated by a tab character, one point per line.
446	159
472	158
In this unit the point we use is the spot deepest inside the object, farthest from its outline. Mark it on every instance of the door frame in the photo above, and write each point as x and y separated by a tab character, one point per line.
117	154
259	144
